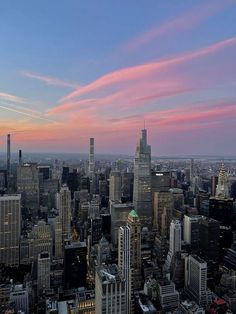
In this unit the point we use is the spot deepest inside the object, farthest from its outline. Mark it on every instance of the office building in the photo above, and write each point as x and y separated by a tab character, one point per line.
119	213
110	291
127	186
142	197
124	261
191	233
91	168
75	265
19	297
134	224
43	271
28	186
10	229
162	204
168	295
209	236
56	230
64	207
42	239
196	279
221	206
115	186
174	242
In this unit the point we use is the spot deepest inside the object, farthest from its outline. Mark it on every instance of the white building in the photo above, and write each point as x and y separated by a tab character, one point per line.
124	260
10	228
43	271
175	241
196	279
110	292
191	232
19	296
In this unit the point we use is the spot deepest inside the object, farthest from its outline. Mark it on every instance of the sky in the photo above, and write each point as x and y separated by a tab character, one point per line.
73	69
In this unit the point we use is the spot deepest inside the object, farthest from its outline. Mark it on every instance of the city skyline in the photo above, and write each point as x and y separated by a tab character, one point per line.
79	70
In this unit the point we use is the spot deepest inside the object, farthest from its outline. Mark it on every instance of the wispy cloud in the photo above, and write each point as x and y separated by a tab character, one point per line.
185	21
8	107
49	80
13	98
143	71
13	103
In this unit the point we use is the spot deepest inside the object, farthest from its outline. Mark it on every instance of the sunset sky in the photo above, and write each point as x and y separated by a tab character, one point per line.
74	69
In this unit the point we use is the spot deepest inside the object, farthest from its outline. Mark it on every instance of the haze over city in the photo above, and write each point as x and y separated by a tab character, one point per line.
71	70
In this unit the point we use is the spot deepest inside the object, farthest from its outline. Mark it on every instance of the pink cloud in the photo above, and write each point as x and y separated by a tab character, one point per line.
145	70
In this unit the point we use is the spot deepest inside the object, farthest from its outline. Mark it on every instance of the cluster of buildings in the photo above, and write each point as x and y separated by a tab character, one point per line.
120	237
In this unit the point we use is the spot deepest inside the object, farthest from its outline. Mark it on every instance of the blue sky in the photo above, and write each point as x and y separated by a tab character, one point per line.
78	42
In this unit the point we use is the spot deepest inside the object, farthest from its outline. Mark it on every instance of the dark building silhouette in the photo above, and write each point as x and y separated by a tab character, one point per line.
75	265
209	231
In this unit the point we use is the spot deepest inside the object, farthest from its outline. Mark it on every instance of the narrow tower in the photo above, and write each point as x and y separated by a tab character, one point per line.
8	160
91	171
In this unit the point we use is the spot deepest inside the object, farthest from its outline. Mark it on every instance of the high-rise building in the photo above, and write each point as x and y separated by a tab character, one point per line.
191	233
163	202
28	186
115	186
110	291
91	170
196	279
19	297
142	197
221	206
56	227
64	206
127	186
124	261
8	160
75	265
10	228
43	271
209	235
168	295
222	189
119	213
175	241
134	225
42	238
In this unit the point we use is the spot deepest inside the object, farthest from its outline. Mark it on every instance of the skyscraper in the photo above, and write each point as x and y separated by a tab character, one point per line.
134	225
43	271
28	186
64	206
75	265
221	206
175	241
124	261
110	292
8	160
191	232
10	228
142	180
196	279
115	186
91	170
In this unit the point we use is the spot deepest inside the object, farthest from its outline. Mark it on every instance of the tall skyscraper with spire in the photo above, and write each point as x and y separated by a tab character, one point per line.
142	180
222	189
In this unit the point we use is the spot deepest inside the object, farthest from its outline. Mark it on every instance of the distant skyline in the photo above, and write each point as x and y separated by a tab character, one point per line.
71	70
